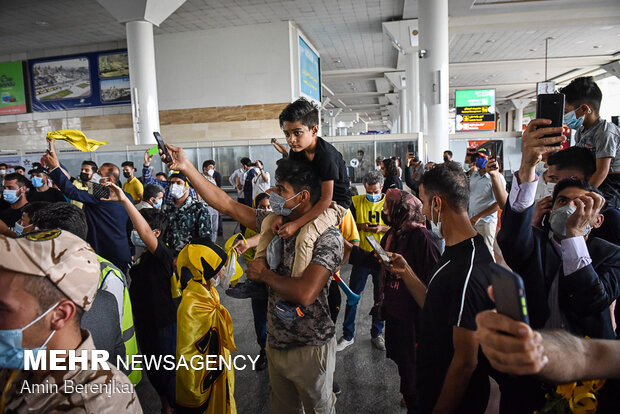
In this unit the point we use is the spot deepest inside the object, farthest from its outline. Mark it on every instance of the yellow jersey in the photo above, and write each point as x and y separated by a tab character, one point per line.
348	228
367	212
80	186
135	188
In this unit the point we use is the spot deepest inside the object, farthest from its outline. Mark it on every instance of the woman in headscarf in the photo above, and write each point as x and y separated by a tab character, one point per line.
408	237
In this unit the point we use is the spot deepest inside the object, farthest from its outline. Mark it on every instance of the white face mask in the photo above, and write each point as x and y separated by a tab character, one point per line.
210	173
436	228
177	191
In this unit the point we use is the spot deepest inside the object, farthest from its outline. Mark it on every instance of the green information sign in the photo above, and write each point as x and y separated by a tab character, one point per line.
475	110
12	96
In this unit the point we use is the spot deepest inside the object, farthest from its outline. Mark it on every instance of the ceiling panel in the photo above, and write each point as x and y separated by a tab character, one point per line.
507	36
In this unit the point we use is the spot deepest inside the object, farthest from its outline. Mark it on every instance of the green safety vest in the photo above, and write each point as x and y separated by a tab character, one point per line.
128	331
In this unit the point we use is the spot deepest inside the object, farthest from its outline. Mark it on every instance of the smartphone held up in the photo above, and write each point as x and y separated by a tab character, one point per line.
165	155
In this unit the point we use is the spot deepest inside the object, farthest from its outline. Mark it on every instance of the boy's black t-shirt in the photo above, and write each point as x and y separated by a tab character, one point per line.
456	293
329	165
150	292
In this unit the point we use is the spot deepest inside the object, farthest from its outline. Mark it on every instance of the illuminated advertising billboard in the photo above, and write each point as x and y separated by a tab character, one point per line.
475	110
12	96
310	72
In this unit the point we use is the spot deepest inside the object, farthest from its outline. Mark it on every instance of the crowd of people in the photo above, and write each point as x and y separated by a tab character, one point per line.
132	268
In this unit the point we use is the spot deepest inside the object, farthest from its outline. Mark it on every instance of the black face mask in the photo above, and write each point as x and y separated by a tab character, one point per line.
385	219
126	174
446	159
84	177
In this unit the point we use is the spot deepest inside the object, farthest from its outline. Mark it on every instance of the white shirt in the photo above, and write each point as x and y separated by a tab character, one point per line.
239	173
259	185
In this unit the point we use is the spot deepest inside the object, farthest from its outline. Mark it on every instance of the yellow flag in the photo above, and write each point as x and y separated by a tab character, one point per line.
75	138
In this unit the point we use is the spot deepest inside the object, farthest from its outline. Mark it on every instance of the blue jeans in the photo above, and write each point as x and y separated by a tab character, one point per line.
359	275
259	309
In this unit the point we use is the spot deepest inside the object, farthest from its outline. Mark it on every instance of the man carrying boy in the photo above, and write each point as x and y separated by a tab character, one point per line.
301	351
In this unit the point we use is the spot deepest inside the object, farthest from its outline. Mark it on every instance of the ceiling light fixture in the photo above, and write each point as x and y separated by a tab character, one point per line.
41	23
596	46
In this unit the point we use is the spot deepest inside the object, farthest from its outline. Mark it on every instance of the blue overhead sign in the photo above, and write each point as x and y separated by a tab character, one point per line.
309	71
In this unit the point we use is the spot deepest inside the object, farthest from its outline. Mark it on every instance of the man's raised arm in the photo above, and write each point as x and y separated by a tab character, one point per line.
211	194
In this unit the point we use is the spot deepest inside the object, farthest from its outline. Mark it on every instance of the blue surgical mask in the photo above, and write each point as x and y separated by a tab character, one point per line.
136	240
11	350
373	198
37	182
277	204
11	196
571	120
158	204
18	229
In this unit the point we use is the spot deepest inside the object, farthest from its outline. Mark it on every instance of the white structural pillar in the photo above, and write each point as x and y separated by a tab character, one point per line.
434	75
412	67
519	105
404	114
139	16
143	81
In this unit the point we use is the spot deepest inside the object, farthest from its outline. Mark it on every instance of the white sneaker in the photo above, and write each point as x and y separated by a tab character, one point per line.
343	343
378	342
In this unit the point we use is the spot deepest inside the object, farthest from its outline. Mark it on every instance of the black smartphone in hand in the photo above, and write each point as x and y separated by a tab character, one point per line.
551	106
377	248
98	190
166	158
509	293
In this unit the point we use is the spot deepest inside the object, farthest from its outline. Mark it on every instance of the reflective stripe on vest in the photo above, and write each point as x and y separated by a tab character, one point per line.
128	333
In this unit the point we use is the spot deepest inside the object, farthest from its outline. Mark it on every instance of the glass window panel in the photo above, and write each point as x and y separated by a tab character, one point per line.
227	159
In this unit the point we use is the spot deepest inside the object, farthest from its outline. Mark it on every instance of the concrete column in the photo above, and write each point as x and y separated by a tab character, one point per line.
519	105
404	114
143	81
434	75
412	67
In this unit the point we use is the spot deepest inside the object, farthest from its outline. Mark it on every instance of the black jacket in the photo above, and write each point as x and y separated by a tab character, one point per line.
584	296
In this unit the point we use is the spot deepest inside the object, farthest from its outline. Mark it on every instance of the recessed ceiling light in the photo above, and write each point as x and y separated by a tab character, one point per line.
532	50
606	27
41	23
490	41
530	31
580	42
486	81
596	46
477	53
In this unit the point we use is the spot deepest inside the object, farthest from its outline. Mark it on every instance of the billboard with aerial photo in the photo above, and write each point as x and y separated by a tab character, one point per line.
309	71
475	110
79	81
12	95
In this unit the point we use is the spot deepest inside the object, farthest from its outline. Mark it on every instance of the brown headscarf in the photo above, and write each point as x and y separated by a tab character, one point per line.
405	212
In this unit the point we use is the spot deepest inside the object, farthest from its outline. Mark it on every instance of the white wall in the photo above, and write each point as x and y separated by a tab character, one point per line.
233	66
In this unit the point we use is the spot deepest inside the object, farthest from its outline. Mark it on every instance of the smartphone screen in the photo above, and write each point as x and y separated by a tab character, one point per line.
551	106
509	293
162	146
377	248
98	190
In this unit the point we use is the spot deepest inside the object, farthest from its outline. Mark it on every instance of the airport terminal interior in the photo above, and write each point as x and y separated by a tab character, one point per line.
397	85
